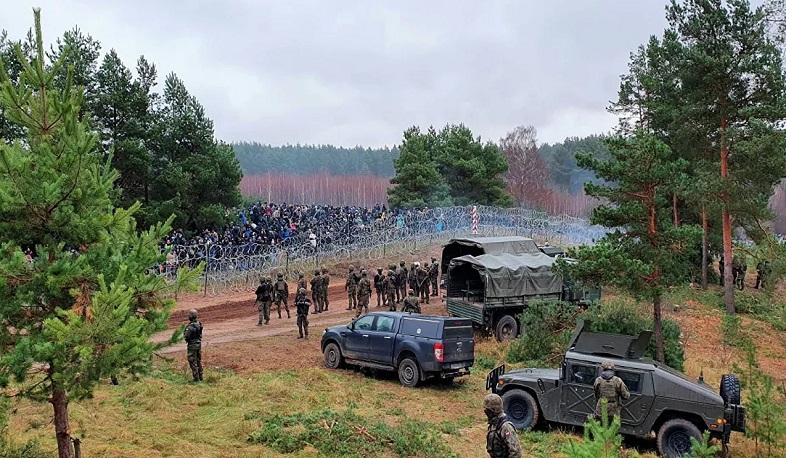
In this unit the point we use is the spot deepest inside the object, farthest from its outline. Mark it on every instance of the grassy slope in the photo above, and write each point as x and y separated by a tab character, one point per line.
165	416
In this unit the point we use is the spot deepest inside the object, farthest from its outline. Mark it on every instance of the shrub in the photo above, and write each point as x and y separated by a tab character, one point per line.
545	331
703	448
601	439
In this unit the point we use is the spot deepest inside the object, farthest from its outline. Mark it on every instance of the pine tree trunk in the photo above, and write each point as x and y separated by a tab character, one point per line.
658	320
728	286
675	211
62	431
704	248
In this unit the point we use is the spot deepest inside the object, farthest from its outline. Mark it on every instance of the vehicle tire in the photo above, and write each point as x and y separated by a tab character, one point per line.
409	372
674	438
333	358
521	408
507	328
730	389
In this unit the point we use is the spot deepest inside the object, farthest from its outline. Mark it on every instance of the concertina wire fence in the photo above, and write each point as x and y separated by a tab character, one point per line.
238	268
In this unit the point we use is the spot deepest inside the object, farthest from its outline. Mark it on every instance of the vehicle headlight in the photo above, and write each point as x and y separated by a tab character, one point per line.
324	331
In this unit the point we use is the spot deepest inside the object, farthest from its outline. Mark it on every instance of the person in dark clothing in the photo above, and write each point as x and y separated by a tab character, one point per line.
282	294
193	338
302	304
379	278
264	299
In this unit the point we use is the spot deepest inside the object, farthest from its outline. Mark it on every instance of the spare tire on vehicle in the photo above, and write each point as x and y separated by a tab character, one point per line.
730	389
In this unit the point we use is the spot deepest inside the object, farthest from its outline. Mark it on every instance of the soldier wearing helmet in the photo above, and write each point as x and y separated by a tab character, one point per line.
302	304
379	288
316	286
411	303
282	294
351	287
501	438
324	290
264	299
301	281
364	292
193	338
611	388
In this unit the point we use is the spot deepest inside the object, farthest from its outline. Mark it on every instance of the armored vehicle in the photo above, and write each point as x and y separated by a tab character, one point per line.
493	289
662	401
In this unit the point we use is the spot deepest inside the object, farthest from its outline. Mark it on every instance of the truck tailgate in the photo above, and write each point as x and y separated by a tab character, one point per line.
459	340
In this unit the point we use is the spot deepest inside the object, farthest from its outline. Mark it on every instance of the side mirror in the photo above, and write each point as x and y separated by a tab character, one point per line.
351	325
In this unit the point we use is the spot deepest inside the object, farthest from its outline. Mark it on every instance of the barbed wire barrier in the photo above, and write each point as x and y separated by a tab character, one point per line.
237	268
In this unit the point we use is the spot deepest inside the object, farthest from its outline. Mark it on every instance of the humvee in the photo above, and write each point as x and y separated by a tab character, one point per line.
662	400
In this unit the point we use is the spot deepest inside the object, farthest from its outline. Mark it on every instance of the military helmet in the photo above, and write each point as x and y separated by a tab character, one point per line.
261	279
351	268
192	314
300	275
324	270
379	269
607	365
401	263
280	275
316	272
433	259
493	403
301	291
412	292
363	273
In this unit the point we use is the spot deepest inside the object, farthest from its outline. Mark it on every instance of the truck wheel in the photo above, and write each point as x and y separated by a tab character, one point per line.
521	409
409	373
332	356
674	438
507	328
730	389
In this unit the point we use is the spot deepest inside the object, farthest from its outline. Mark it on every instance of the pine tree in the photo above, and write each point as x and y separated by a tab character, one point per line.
418	182
83	308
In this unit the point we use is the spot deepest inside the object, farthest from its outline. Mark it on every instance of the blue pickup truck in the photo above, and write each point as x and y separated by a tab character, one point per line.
417	346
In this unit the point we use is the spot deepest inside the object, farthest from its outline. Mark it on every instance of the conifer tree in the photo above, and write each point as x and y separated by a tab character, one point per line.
418	181
80	308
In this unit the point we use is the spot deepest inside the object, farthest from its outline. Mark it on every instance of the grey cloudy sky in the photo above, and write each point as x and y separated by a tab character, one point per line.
359	72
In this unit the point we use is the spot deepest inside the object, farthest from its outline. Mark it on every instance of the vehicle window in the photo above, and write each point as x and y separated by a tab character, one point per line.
458	329
364	324
632	380
420	327
384	323
582	374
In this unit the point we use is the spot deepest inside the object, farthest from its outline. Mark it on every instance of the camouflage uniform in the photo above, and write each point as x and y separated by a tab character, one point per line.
413	278
364	292
379	278
302	304
351	287
316	285
433	276
324	290
411	303
301	282
402	274
610	387
390	290
282	294
193	337
264	299
501	438
423	283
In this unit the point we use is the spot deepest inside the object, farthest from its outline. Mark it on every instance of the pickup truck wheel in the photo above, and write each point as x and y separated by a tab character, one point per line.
332	356
507	328
409	373
674	438
521	409
730	389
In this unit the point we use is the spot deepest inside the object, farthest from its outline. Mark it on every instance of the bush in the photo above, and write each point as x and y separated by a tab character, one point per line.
624	316
601	439
9	450
546	327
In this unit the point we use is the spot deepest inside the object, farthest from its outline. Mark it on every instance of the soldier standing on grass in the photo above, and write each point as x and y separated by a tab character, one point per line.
433	275
316	285
364	292
611	388
282	294
378	279
193	338
263	293
302	304
325	286
501	438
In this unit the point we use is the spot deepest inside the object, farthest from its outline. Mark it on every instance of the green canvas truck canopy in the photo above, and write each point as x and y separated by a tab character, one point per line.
508	275
477	246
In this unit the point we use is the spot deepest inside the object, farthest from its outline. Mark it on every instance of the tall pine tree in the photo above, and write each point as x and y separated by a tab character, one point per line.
82	308
417	181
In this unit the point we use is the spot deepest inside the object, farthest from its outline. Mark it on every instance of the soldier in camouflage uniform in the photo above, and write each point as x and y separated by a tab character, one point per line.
390	289
302	304
301	281
501	438
364	292
413	278
351	287
402	275
324	290
433	275
282	294
264	298
423	282
379	278
411	303
611	388
193	337
316	284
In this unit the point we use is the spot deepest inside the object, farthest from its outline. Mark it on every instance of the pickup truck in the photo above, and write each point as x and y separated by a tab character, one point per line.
418	347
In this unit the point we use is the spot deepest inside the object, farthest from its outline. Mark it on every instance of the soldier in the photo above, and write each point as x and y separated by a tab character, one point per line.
423	282
501	438
325	286
720	268
433	276
739	266
411	303
193	337
364	292
378	279
611	388
413	278
316	284
302	304
402	275
763	270
282	294
263	301
351	287
390	289
301	281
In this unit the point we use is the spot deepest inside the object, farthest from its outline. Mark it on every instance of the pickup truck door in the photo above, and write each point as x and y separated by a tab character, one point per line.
356	340
382	340
578	392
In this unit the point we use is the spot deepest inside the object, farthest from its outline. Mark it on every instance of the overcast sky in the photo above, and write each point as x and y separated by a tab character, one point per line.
360	72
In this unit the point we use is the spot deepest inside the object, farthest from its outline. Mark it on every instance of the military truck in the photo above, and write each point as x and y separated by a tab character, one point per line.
493	289
477	246
662	400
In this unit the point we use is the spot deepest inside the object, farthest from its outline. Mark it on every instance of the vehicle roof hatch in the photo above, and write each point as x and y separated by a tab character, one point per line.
616	345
